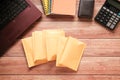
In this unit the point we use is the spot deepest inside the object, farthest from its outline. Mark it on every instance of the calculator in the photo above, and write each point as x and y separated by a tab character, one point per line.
109	14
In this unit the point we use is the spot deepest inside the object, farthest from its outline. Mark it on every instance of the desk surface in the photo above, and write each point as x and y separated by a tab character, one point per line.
101	59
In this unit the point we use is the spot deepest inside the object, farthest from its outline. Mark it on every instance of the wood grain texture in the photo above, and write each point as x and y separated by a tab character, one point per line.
59	77
101	58
89	30
88	65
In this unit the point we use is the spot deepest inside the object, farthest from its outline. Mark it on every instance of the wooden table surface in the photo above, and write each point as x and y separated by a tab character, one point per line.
101	58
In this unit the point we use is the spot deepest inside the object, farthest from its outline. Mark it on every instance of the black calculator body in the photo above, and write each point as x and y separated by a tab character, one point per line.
109	14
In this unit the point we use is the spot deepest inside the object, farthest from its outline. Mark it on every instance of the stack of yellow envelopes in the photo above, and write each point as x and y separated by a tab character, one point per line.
49	45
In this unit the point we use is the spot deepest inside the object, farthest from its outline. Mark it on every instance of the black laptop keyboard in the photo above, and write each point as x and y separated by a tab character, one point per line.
9	9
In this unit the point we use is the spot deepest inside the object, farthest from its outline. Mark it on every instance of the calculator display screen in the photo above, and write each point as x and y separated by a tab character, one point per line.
114	3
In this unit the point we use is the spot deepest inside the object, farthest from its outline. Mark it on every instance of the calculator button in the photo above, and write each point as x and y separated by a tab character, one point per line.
101	20
117	19
108	10
108	17
110	20
101	13
111	12
108	24
118	16
115	14
104	8
112	26
114	23
106	20
104	15
97	18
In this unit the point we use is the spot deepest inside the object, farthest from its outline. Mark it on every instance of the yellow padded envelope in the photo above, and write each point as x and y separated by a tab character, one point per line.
39	47
27	45
52	37
72	54
61	46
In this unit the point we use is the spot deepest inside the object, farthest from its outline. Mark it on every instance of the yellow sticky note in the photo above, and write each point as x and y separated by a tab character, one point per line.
52	37
27	45
61	46
39	47
72	54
